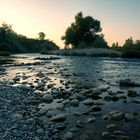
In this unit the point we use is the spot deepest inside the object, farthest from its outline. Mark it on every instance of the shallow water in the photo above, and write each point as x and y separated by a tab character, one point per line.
83	72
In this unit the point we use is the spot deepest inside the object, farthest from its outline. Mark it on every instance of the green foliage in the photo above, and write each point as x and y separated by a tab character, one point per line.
15	43
84	29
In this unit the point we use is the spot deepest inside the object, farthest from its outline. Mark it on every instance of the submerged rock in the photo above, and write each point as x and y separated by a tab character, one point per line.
96	108
129	117
116	115
128	82
132	93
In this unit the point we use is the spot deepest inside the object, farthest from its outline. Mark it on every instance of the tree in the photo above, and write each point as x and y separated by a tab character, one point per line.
83	29
129	43
41	35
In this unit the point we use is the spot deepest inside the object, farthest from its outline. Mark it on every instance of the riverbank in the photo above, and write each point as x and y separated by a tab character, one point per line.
62	98
95	52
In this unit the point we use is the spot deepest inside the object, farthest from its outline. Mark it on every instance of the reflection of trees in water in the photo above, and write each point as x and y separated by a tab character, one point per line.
93	71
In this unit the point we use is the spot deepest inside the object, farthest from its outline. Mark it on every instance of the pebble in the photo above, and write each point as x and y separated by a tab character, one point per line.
81	123
60	126
40	131
68	135
48	98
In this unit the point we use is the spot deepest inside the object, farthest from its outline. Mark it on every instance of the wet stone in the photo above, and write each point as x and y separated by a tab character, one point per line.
112	127
68	135
58	118
96	108
129	117
75	102
88	102
60	126
132	93
48	98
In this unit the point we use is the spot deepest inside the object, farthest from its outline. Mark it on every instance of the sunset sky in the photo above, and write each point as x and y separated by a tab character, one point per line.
120	19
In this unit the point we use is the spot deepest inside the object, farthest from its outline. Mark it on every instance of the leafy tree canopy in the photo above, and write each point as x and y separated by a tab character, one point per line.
41	35
84	29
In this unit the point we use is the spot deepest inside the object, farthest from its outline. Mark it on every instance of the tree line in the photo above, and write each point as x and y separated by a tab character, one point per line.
12	42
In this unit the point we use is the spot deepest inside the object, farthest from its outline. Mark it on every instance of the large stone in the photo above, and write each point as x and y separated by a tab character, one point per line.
58	118
116	115
68	135
132	93
75	102
129	117
48	98
81	97
128	82
88	102
96	108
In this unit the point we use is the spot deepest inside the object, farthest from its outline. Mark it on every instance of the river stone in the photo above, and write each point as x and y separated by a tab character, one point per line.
68	135
137	101
93	119
96	108
74	129
106	134
116	115
60	106
132	93
48	98
30	121
115	98
128	82
124	137
42	111
40	131
81	123
58	118
107	98
75	102
80	97
60	126
129	117
24	87
112	127
84	137
88	102
50	85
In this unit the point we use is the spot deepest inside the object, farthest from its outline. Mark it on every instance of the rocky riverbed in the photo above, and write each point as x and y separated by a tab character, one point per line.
63	98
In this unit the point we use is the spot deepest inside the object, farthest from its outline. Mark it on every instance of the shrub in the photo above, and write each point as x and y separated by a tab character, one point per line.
131	54
4	54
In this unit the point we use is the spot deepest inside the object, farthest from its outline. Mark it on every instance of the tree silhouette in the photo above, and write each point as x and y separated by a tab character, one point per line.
41	35
84	29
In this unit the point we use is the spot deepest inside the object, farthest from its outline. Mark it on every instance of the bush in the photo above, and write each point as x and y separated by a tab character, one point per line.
131	54
4	54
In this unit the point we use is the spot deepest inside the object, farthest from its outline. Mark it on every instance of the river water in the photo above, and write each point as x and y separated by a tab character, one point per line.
86	73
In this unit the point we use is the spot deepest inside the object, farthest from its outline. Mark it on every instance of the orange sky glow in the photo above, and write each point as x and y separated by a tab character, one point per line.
119	19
